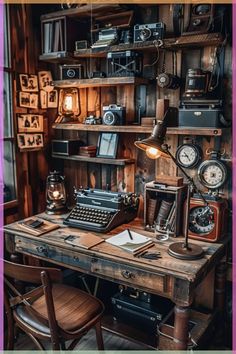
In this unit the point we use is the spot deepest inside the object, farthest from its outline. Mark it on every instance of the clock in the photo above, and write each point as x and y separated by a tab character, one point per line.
188	155
212	173
212	226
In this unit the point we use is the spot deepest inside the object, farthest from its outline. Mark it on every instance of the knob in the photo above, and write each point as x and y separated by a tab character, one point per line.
42	249
127	274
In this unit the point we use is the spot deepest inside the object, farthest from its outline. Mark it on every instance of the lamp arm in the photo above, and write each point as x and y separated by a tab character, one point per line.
190	180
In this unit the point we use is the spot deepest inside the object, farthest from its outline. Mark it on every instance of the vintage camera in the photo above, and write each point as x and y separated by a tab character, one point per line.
169	81
70	72
113	115
149	32
201	19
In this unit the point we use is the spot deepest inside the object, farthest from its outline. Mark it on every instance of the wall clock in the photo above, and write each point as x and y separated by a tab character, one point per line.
188	155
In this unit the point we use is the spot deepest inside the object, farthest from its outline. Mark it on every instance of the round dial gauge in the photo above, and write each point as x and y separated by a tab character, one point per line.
188	155
212	174
200	224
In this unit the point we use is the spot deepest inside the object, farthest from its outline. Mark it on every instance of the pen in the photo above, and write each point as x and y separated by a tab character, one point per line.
130	236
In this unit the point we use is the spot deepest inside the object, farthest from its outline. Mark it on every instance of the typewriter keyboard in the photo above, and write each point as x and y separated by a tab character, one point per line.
89	216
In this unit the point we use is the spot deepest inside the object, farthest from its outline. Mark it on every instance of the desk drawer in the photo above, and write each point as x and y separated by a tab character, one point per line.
49	252
130	275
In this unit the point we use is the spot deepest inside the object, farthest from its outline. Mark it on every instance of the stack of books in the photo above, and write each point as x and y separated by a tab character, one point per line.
89	151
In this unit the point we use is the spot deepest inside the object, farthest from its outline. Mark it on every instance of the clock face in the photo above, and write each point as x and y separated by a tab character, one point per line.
188	155
200	223
212	174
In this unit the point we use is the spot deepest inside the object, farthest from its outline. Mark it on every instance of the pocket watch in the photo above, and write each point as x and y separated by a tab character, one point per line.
188	155
212	173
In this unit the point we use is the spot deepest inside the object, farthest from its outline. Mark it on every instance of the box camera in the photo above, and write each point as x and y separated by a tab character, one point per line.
70	72
113	115
149	32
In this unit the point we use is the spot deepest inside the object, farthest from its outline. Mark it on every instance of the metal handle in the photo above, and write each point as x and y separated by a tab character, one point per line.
42	249
127	274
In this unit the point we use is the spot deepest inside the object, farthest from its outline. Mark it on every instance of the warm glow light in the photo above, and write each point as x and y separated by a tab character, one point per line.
68	103
56	194
153	153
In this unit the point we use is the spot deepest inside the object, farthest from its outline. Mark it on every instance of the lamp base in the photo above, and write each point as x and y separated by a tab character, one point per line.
178	250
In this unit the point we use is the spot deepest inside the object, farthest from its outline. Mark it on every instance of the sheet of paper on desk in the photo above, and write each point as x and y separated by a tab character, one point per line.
133	245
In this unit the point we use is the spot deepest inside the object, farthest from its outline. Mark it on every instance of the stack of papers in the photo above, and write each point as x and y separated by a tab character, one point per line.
133	245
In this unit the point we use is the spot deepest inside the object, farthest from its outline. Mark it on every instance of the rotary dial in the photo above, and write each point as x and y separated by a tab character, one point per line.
200	223
188	155
212	174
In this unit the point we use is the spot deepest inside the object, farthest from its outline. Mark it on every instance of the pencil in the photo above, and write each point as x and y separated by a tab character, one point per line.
130	236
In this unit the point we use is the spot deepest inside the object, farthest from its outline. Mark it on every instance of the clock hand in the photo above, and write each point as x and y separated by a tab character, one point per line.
186	156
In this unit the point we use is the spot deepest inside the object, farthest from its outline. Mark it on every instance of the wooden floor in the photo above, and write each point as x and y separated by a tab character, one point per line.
88	342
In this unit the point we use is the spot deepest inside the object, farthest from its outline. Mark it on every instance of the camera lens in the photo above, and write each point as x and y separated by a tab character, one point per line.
70	73
109	118
145	34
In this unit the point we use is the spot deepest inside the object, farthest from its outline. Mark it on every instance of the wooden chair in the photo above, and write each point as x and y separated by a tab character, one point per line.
52	311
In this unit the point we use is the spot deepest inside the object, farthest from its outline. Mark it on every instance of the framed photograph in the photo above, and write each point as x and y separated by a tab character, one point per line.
28	100
52	99
107	145
45	81
28	83
30	141
43	99
29	123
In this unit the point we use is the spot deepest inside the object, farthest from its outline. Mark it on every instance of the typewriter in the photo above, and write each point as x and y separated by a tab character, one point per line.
100	211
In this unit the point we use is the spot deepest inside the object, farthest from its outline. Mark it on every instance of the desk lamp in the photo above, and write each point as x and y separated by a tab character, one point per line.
155	147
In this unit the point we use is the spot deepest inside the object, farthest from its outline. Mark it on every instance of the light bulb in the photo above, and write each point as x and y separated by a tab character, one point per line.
153	153
68	103
56	194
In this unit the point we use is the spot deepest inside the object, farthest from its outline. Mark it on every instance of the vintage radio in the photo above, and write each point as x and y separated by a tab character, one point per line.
68	72
80	45
149	32
113	115
127	63
209	227
201	19
66	147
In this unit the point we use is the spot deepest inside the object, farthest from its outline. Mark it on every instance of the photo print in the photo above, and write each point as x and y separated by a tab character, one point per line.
28	100
30	141
28	83
30	123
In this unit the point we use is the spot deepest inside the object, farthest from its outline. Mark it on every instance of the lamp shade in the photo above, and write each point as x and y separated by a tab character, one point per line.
154	145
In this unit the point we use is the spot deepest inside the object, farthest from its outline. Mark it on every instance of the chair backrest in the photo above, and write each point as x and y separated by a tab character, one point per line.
30	274
36	275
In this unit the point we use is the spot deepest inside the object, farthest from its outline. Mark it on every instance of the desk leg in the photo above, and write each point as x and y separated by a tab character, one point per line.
181	327
220	287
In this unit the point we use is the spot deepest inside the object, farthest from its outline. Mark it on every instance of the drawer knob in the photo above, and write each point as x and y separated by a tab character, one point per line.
76	259
42	249
127	274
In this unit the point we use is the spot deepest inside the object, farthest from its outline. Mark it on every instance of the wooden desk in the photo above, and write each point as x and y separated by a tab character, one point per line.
168	277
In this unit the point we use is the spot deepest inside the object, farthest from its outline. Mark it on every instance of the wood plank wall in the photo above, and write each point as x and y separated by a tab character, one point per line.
33	167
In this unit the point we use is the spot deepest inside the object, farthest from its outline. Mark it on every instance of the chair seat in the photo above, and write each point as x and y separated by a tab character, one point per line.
74	309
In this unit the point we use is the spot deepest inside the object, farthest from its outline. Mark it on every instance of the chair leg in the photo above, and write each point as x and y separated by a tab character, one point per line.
99	337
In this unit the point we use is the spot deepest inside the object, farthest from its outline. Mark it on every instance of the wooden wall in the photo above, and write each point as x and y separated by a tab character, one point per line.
33	167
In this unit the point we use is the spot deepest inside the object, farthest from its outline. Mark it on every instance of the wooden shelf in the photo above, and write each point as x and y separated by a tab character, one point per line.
100	160
138	129
98	82
58	58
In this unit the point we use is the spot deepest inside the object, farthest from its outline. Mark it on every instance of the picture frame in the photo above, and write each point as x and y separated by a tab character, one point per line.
43	99
29	123
28	100
30	141
107	145
45	81
28	83
52	99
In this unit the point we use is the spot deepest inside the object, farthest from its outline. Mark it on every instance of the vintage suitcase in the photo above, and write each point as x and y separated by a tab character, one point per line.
140	314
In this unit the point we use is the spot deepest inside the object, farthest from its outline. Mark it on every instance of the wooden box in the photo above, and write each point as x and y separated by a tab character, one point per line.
164	203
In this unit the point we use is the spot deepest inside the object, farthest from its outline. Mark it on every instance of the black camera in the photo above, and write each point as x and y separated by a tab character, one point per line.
70	72
113	115
149	32
91	120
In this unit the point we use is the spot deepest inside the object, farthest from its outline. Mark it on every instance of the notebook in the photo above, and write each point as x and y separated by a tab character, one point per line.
133	245
36	226
87	240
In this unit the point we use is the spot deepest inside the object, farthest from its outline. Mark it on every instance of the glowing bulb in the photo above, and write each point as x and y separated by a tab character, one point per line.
56	194
153	153
68	103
